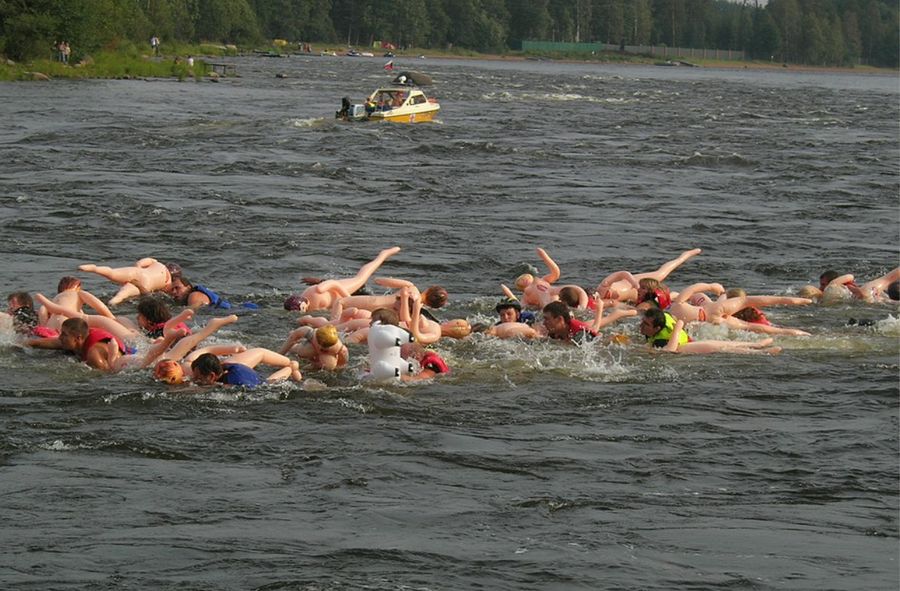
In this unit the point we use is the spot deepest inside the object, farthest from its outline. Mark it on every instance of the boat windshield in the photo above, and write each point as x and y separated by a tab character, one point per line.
386	99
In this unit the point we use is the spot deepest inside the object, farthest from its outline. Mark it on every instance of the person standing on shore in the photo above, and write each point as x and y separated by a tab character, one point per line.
154	45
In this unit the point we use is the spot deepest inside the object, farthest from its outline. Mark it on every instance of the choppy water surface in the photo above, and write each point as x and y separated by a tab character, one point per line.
532	466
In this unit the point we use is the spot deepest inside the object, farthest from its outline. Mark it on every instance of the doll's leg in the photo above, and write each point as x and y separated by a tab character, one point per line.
116	275
184	346
364	273
126	292
666	269
255	356
291	372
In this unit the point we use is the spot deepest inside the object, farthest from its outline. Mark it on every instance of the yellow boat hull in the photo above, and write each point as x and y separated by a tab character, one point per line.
399	116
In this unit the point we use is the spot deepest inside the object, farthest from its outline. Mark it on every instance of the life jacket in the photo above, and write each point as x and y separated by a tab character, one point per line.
215	300
661	339
98	335
44	332
577	328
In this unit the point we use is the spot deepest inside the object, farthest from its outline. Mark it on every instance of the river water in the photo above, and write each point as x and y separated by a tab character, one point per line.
532	465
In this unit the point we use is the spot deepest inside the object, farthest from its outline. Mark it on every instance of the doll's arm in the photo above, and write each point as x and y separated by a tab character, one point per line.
89	299
553	275
392	282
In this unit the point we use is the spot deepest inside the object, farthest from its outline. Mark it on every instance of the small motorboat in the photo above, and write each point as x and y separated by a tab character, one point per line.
400	102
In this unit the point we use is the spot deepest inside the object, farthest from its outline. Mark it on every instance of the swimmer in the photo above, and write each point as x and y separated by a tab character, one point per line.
20	307
97	348
513	323
154	320
195	296
509	309
832	287
174	363
616	286
667	334
208	369
322	295
560	324
146	276
322	346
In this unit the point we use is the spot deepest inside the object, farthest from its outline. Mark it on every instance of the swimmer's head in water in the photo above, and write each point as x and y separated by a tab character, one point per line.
296	303
327	336
168	371
524	280
174	270
826	278
508	303
893	290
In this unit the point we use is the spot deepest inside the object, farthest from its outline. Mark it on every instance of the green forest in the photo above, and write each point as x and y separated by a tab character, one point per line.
814	32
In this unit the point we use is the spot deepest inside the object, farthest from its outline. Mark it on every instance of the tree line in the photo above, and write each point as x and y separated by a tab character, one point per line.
818	32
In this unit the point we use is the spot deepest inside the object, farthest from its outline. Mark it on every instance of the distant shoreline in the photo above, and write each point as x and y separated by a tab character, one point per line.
700	63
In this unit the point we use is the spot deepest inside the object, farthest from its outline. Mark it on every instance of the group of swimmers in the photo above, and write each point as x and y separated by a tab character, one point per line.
338	312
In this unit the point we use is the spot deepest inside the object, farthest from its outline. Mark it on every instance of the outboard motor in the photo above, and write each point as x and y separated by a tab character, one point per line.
345	109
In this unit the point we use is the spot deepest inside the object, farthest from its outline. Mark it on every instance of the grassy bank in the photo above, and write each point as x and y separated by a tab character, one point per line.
122	63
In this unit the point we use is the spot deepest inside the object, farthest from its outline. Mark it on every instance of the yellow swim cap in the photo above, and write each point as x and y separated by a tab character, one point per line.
326	336
168	371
